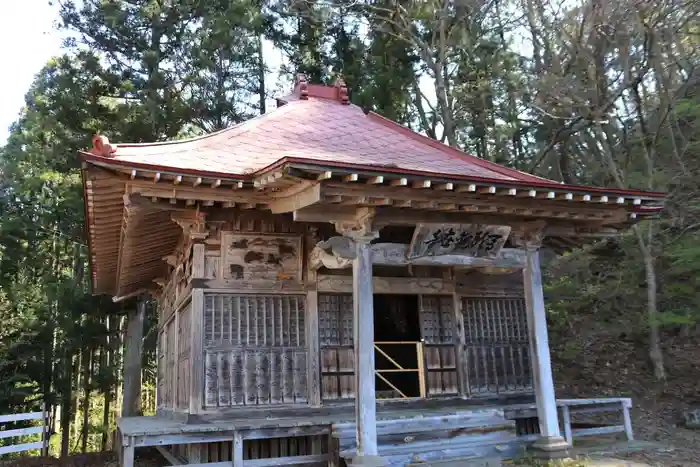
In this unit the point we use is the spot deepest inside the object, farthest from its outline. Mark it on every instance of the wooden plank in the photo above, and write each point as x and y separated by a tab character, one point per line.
428	424
313	372
603	430
181	438
387	285
196	403
209	464
198	269
268	433
21	447
34	430
21	416
290	460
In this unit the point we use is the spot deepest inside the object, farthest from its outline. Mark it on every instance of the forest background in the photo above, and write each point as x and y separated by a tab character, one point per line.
579	91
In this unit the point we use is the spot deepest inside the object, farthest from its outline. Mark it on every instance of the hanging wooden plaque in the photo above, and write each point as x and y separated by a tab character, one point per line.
458	239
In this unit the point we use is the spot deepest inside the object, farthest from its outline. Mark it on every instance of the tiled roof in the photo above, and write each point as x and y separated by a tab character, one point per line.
313	127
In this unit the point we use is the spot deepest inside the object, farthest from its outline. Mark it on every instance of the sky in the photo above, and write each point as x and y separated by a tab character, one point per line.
27	40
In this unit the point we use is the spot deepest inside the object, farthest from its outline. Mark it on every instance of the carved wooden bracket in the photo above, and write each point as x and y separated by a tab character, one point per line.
529	236
193	226
361	228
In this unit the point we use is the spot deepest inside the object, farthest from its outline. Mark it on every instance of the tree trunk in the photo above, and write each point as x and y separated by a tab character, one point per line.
105	365
261	72
87	364
66	400
655	354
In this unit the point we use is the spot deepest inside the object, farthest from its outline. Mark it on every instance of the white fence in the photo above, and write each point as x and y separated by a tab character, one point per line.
21	433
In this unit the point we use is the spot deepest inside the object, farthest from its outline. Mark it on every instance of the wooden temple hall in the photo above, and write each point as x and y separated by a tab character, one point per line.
336	289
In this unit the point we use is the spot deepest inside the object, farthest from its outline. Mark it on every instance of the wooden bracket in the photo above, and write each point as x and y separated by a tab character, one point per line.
530	235
361	225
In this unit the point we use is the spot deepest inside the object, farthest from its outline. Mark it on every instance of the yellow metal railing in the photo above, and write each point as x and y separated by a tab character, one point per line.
418	346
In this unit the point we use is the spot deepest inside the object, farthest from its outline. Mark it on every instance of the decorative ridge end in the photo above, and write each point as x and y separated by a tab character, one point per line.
302	85
342	91
102	147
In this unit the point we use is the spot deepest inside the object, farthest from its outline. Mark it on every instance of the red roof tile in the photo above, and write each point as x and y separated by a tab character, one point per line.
317	129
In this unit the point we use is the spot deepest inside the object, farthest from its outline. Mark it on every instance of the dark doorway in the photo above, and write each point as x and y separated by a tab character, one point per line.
396	332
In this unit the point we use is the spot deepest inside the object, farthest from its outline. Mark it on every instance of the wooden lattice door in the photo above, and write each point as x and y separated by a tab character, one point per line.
497	349
438	333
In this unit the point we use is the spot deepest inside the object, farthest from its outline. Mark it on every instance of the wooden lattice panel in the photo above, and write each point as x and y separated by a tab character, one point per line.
497	345
255	350
437	330
335	329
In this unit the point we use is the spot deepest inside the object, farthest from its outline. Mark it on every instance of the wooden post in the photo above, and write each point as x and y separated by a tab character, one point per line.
237	450
363	316
551	442
45	433
197	374
313	370
131	405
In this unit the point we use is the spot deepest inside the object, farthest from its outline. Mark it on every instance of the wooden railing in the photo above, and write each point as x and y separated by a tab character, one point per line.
398	368
19	433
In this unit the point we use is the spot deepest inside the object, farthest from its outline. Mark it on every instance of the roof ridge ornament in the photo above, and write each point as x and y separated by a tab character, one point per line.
102	147
302	85
342	91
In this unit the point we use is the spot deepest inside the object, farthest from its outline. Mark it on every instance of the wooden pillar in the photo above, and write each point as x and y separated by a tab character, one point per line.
197	370
131	406
361	230
551	442
363	317
313	361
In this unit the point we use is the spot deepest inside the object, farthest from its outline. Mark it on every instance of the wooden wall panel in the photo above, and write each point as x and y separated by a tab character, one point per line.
255	350
497	349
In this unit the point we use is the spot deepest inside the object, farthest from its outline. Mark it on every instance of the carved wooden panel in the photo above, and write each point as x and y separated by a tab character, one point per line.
257	256
255	350
438	333
497	349
335	330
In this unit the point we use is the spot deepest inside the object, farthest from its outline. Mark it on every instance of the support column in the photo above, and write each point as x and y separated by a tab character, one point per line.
363	317
550	444
361	231
133	343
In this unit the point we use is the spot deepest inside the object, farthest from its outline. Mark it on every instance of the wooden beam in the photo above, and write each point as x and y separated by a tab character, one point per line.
387	285
298	200
394	216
